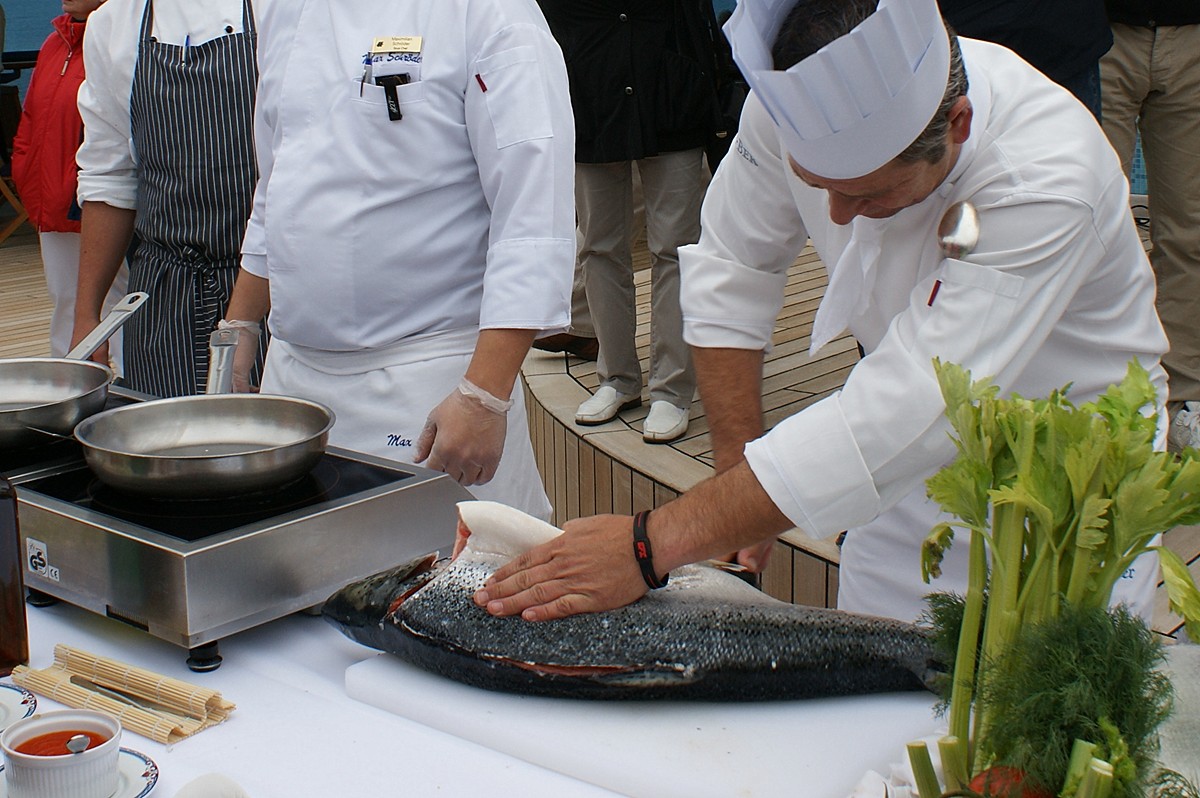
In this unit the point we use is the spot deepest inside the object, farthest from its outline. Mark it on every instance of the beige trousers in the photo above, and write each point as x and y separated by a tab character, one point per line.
673	187
1150	83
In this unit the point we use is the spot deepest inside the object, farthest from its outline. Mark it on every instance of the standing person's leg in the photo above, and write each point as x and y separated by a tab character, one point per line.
1170	130
581	314
60	264
673	185
603	203
1124	83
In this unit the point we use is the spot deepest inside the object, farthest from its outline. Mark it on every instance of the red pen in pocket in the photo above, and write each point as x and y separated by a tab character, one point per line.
937	286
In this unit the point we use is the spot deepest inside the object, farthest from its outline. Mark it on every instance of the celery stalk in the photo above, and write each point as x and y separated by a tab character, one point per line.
953	751
923	772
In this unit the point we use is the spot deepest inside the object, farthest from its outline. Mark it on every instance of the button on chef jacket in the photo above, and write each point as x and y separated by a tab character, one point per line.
1058	291
373	230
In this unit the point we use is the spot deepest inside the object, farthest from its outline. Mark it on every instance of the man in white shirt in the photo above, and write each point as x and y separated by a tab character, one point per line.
167	155
413	227
861	132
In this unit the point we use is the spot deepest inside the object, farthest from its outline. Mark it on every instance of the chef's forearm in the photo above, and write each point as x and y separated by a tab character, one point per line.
725	513
104	240
251	298
498	356
730	383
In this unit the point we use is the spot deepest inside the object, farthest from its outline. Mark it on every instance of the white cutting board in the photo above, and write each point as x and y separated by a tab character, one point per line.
816	748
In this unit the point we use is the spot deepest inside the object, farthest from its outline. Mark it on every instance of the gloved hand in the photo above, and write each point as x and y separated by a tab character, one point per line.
464	435
247	350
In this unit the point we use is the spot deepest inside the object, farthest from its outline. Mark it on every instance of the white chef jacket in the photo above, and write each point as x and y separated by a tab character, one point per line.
1057	291
459	215
107	160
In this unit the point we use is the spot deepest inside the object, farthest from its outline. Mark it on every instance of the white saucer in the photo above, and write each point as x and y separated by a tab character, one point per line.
139	774
15	703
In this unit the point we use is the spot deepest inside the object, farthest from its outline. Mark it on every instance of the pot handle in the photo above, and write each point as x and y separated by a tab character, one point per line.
222	345
108	325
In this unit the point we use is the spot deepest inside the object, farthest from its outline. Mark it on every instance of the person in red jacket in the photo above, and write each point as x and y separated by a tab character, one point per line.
44	170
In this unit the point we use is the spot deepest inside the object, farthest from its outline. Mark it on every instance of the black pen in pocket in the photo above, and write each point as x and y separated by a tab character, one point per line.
389	83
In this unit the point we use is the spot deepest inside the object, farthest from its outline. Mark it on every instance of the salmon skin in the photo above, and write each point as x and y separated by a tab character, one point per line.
706	636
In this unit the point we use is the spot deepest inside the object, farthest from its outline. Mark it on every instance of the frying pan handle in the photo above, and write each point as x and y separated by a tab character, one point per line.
222	345
108	325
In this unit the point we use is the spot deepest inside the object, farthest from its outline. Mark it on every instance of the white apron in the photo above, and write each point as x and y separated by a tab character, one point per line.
381	399
880	572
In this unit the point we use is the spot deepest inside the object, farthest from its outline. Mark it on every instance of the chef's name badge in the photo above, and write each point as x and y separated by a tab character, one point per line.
396	55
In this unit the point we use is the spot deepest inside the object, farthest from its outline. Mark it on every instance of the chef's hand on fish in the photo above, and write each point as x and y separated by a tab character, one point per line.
588	568
591	566
753	558
464	435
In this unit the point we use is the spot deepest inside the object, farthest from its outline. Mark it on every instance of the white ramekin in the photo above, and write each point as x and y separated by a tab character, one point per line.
91	774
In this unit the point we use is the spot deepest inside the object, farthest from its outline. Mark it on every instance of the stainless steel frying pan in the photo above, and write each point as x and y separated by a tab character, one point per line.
44	397
206	446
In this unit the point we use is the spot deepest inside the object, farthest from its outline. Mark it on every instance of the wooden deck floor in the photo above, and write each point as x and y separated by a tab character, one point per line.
609	467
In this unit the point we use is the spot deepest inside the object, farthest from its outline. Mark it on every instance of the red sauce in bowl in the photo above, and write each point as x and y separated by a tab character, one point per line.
55	743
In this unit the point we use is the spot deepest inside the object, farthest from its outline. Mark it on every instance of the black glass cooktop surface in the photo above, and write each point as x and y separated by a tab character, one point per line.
23	459
53	451
334	478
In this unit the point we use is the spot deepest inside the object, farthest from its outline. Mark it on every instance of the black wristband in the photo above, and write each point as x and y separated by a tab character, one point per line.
642	553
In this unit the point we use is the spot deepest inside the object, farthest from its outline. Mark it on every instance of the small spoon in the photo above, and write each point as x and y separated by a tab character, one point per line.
79	743
958	231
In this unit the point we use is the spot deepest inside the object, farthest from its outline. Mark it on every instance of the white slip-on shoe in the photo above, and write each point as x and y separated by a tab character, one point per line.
1184	431
665	423
604	406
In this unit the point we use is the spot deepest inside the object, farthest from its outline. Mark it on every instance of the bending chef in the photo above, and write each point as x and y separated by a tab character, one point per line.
867	121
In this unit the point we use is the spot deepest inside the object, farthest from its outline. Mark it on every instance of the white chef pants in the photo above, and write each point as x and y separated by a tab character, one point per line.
60	263
880	570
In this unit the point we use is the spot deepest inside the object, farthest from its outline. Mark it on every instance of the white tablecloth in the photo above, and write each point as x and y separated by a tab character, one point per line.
295	733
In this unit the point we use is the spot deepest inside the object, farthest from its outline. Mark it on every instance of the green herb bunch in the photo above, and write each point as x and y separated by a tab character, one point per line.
1088	674
1058	501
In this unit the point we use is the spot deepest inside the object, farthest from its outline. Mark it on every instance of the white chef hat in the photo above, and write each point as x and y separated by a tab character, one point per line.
859	101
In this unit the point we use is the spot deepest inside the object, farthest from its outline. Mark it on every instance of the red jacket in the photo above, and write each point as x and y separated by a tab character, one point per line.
43	162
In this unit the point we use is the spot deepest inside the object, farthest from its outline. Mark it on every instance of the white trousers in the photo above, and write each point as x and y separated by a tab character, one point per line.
60	263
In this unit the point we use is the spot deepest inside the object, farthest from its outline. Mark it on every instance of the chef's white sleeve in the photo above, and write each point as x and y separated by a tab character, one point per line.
266	140
522	132
839	463
107	164
732	280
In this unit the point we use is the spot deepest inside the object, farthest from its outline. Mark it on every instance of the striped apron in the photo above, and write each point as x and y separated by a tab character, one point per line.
191	111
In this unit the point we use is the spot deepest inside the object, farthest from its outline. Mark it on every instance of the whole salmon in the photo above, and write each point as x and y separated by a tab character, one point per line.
707	636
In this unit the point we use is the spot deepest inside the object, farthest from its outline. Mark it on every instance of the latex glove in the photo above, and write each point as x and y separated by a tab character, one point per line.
247	352
464	435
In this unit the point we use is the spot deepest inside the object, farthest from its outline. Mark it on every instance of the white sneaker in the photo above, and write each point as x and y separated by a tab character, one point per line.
604	406
1185	426
665	423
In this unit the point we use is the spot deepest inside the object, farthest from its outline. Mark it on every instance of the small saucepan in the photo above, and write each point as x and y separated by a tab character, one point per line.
206	446
42	398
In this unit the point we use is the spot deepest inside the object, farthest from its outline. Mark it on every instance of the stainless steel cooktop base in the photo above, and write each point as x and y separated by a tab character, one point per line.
193	594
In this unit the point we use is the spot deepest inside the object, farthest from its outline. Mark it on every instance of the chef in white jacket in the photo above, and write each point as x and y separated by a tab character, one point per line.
413	225
861	146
